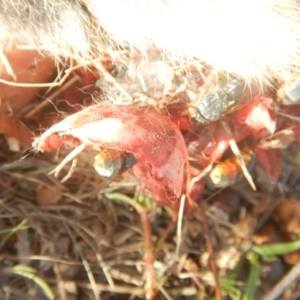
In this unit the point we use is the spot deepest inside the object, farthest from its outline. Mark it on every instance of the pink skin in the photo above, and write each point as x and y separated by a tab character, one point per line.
153	138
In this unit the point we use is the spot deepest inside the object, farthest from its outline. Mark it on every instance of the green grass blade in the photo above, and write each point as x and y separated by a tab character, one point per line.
29	272
277	249
253	277
11	231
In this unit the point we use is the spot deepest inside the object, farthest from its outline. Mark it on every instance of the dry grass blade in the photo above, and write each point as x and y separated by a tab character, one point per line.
207	236
67	159
179	227
86	265
60	284
7	65
238	154
111	79
51	97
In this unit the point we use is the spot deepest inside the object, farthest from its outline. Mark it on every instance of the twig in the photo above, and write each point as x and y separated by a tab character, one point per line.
71	171
163	238
52	96
85	263
191	267
291	117
121	289
150	285
164	292
210	249
61	289
277	290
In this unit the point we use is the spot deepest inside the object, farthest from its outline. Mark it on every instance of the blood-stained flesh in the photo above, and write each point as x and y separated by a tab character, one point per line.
153	139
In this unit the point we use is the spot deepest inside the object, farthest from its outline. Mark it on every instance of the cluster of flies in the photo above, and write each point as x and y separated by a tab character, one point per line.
218	97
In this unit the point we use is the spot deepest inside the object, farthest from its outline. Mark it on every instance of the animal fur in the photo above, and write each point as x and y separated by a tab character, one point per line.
254	39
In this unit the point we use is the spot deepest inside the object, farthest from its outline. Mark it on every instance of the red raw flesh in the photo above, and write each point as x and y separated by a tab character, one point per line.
270	160
153	138
157	143
254	120
213	141
258	116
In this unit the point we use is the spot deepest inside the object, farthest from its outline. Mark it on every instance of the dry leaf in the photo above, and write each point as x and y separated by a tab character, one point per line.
17	135
48	195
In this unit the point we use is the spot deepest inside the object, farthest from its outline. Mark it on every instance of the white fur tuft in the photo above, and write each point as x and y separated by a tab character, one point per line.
255	39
